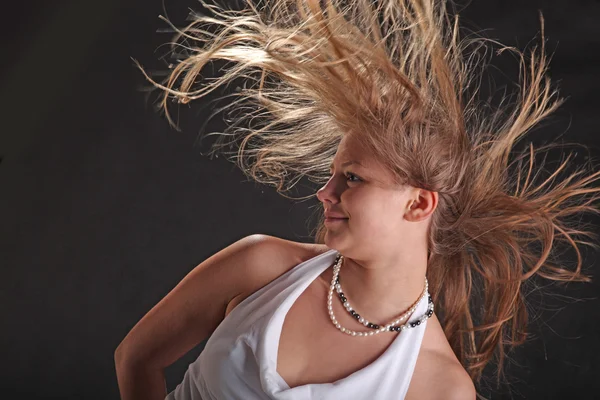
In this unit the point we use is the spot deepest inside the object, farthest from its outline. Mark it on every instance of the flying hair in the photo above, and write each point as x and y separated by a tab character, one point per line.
398	78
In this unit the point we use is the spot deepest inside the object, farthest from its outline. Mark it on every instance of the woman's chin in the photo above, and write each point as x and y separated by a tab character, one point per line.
333	238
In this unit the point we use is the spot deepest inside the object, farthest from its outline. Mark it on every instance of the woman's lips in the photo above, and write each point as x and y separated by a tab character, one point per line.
333	220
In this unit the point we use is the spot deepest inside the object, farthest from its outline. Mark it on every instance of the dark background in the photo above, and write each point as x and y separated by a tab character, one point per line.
104	208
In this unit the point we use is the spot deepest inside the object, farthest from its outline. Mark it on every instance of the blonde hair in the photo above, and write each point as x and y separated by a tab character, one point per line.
397	77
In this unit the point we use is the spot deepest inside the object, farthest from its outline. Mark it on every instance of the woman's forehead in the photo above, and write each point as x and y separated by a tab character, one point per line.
347	154
348	151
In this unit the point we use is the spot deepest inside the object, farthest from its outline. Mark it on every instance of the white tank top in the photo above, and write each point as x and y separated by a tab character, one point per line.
239	360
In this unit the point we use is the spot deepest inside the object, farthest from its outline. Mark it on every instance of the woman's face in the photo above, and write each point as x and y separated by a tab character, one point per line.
362	191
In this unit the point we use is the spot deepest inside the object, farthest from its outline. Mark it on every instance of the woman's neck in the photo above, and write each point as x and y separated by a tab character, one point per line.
380	290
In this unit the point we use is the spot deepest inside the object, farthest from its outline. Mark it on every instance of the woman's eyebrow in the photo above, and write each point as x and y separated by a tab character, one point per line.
347	163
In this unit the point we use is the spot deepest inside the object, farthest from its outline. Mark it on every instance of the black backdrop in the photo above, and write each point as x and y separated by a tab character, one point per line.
104	208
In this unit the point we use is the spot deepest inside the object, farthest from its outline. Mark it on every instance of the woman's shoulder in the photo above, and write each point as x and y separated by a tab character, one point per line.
438	363
290	251
445	379
269	258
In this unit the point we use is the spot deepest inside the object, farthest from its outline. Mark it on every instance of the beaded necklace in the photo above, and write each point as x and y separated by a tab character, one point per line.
376	329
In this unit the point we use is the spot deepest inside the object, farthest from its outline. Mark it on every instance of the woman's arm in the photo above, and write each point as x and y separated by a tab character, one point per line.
190	313
139	381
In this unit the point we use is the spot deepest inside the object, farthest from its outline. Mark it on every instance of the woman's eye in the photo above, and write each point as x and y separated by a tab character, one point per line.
349	175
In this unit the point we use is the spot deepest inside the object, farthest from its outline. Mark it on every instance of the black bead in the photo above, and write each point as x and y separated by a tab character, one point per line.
418	322
413	324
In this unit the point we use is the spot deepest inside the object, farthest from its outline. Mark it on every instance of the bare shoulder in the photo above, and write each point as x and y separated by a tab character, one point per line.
452	382
438	363
268	257
286	253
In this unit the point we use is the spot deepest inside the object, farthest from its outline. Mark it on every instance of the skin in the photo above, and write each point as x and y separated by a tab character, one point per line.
384	239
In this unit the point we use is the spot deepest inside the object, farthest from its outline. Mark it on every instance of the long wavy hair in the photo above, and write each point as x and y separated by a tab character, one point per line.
398	77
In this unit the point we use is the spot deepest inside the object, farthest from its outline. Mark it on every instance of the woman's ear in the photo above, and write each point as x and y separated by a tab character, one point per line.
428	202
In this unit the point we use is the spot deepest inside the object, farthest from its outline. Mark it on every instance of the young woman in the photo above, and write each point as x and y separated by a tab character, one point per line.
422	210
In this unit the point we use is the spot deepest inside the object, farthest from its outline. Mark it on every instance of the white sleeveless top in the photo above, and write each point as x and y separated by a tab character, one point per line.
239	360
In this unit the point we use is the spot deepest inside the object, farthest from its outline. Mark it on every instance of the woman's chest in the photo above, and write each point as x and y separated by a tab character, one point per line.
312	350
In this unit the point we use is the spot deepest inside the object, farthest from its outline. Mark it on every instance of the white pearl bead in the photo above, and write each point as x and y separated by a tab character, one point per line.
353	333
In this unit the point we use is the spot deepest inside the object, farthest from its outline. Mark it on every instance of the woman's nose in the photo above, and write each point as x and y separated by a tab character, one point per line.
329	192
